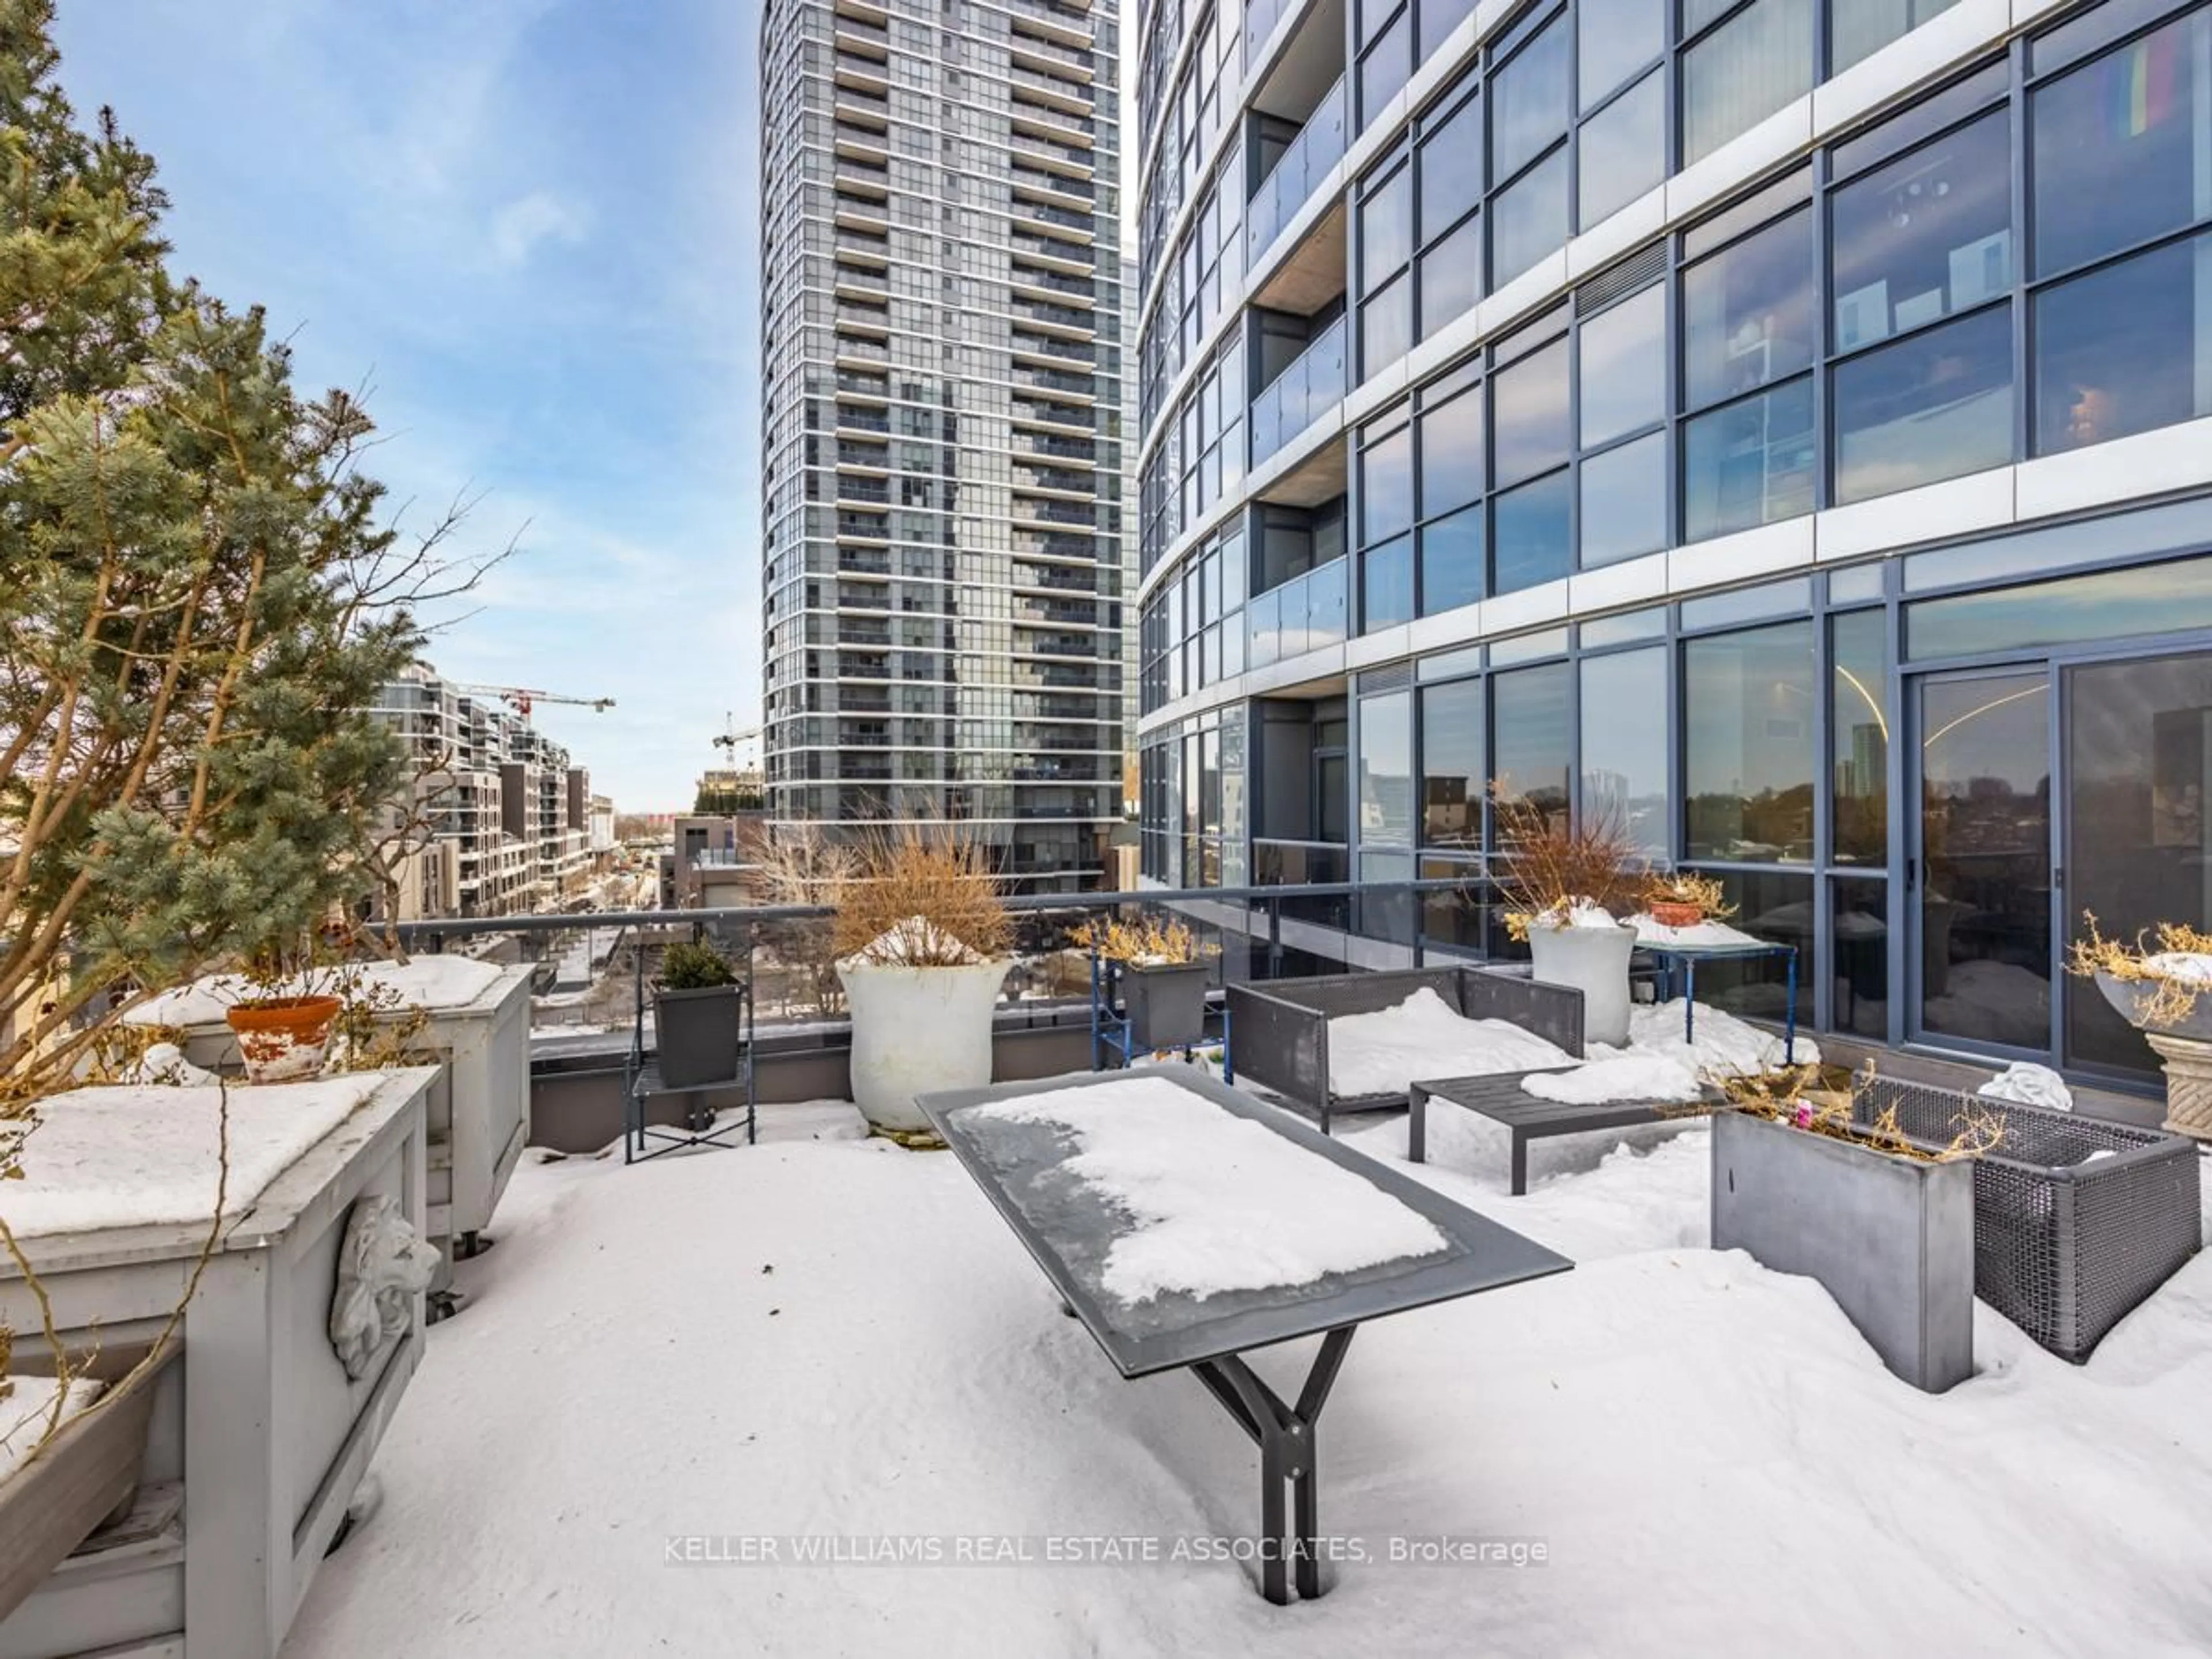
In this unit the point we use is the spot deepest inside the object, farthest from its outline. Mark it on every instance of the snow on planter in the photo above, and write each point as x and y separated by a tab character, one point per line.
1650	930
916	941
1630	1078
431	983
1199	1184
144	1154
1425	1036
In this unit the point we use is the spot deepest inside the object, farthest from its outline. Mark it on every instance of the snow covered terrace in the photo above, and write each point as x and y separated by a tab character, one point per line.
812	1397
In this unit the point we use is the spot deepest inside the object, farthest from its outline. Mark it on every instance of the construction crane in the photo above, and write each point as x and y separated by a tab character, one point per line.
520	698
731	737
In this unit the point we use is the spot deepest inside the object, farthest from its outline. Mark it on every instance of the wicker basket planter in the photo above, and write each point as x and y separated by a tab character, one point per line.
1166	1005
2064	1247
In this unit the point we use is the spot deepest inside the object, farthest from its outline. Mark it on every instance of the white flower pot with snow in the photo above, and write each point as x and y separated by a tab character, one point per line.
1591	960
916	1030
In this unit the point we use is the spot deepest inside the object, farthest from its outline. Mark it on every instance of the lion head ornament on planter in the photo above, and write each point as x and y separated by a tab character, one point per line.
383	1264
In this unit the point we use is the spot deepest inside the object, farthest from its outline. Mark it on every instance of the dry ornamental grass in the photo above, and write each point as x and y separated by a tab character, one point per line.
935	874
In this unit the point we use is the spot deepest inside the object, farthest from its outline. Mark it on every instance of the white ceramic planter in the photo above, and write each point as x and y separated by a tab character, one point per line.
916	1030
1593	961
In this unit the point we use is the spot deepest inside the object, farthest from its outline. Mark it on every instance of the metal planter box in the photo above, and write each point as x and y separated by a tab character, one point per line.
1891	1238
2063	1246
697	1034
1166	1006
258	1436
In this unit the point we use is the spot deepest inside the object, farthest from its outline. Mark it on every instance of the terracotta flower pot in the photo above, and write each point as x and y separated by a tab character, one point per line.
1675	913
282	1039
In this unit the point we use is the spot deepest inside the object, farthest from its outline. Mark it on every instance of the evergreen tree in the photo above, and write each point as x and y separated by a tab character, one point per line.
198	600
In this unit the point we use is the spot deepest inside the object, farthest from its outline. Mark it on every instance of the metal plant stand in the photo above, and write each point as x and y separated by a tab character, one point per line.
1689	955
1070	1227
1114	1032
643	1084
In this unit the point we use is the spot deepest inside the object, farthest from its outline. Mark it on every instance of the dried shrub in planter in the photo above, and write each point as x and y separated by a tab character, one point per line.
1553	863
2170	978
921	895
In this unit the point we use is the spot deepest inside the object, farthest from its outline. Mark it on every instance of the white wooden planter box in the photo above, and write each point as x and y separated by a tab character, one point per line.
258	1436
479	1108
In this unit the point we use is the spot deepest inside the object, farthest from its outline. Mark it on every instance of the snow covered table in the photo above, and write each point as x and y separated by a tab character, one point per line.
1186	1224
475	1018
259	1435
1504	1099
1669	952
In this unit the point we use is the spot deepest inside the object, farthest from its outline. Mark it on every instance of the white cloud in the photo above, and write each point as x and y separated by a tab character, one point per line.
521	225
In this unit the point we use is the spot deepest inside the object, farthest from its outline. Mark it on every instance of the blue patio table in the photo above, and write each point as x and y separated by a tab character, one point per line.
1690	955
1069	1226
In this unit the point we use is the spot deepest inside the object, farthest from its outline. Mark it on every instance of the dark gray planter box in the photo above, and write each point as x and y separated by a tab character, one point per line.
695	1034
2064	1248
1891	1238
1166	1006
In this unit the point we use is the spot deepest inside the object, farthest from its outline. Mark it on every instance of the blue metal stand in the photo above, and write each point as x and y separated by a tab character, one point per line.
1689	955
1109	1029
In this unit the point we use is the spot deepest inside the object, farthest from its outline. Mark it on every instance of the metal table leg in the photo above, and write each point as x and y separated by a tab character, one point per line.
1417	1124
1790	1028
1690	1001
1284	1435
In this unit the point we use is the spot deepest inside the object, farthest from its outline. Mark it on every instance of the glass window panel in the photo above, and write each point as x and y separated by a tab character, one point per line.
1386	577
1858	722
1748	313
1384	71
1622	152
1439	18
1386	230
1773	905
1530	418
1625	746
1448	665
1614	38
2124	349
1861	967
1533	647
1454	916
1532	746
1750	464
1451	765
1451	452
1386	487
2157	598
1934	406
1528	101
1628	625
2141	114
1530	220
1926	235
1787	598
1623	367
1745	70
1451	169
1859	584
1624	500
1326	603
1386	326
1386	768
1747	754
1451	277
1858	29
1534	539
1452	561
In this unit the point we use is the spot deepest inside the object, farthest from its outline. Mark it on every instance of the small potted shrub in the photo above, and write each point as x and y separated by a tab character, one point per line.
923	943
1564	884
1163	980
284	1022
695	1015
1684	900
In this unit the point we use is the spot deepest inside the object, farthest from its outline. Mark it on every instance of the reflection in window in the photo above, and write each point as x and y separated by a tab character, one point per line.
1858	717
2139	114
1532	745
1747	313
1929	234
1386	326
1451	452
1613	39
1534	539
1451	765
1386	486
2124	349
1451	277
1934	406
1623	367
1528	101
1743	71
1386	230
2154	598
1750	464
1451	169
1622	152
1624	500
1384	69
1451	561
1625	746
1861	936
1858	29
1386	768
1386	576
1747	754
1530	220
1529	420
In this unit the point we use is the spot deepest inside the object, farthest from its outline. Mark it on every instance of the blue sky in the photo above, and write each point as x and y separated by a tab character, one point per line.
529	225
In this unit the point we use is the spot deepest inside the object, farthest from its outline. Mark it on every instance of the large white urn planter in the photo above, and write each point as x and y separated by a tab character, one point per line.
916	1030
1591	960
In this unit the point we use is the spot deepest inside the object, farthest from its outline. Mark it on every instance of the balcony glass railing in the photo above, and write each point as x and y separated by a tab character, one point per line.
1305	863
1260	20
1304	614
1300	395
1297	175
